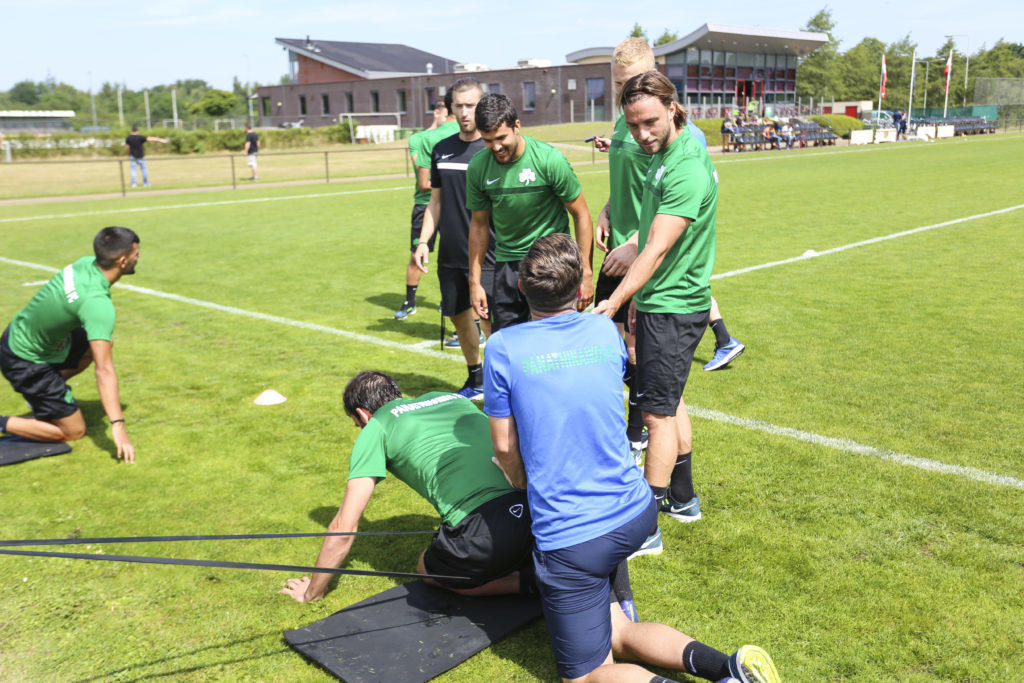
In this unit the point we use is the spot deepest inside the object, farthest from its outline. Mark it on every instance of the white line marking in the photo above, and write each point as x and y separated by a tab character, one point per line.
747	423
34	284
226	202
873	240
860	449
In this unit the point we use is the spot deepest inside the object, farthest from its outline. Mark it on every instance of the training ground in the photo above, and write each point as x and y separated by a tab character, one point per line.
860	466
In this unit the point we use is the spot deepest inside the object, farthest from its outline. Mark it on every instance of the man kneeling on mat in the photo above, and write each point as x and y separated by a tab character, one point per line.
553	393
438	444
67	325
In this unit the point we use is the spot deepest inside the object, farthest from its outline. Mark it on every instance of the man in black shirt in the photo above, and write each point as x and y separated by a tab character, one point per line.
252	146
448	213
136	154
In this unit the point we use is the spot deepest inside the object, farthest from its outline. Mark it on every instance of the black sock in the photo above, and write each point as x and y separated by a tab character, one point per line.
706	662
410	295
659	493
3	422
681	487
621	590
476	375
721	334
634	416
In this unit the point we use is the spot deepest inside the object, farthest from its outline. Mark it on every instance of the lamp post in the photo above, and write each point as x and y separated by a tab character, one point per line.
967	67
248	89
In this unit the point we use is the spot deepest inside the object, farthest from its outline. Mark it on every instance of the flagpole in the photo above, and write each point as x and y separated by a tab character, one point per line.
910	105
949	72
881	84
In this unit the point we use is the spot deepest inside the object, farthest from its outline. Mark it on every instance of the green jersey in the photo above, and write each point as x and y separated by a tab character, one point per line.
681	181
77	296
526	197
422	145
437	443
627	168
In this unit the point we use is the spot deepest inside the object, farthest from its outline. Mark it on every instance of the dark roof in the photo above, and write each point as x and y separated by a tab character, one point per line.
370	57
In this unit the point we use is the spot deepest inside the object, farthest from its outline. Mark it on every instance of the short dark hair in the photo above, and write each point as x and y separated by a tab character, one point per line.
551	273
370	390
448	100
493	110
135	128
112	242
466	84
652	84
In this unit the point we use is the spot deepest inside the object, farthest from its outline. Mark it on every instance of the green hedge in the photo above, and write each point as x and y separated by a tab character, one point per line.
179	141
841	124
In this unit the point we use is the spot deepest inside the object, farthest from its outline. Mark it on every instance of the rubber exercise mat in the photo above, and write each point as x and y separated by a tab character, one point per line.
408	633
15	449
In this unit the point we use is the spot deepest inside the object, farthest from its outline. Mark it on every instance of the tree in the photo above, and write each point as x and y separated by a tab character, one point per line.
638	32
25	92
816	75
860	68
214	103
666	37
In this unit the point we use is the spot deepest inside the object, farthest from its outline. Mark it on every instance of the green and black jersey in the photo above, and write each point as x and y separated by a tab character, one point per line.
422	146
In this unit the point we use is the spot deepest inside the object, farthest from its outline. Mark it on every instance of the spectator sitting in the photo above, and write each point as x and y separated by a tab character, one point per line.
771	138
728	133
786	132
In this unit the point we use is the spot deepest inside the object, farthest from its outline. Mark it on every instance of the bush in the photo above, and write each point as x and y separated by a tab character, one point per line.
841	124
340	132
232	140
188	142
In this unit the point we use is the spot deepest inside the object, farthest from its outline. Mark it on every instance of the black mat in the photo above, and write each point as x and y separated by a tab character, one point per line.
17	449
411	632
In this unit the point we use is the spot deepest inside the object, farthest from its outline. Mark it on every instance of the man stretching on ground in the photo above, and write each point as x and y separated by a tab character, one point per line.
553	394
447	211
439	445
66	326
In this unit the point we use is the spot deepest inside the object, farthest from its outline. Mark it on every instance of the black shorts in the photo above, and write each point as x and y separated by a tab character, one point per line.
606	284
418	210
507	302
665	343
455	288
490	542
41	383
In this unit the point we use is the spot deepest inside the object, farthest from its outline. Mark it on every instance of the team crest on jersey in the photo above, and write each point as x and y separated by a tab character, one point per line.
517	510
526	176
660	172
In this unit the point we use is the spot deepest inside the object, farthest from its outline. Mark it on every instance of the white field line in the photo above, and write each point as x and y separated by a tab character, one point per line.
860	449
862	243
317	195
747	423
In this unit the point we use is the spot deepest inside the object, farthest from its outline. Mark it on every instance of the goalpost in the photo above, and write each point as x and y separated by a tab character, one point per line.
351	131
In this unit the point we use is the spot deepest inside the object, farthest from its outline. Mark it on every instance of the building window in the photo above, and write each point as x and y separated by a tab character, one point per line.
325	102
494	88
302	105
265	104
348	103
595	99
374	101
402	102
529	96
431	98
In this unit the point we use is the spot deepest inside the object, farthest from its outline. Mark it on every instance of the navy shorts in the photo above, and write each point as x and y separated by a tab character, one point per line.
574	587
41	384
606	284
418	210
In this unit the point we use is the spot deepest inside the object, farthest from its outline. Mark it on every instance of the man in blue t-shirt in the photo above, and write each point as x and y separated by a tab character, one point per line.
553	395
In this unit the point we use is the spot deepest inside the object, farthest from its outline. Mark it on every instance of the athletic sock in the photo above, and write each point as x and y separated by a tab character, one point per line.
634	416
3	422
410	295
681	487
721	334
659	493
620	582
706	662
476	375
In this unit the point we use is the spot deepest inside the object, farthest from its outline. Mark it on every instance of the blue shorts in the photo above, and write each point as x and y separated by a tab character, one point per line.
574	588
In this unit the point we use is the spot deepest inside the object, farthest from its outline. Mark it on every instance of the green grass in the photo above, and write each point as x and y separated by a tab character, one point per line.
843	566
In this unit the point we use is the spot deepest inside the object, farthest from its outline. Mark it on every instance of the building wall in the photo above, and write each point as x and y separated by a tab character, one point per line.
312	71
553	99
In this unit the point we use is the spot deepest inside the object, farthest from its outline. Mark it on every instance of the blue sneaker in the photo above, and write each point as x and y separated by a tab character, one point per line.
652	546
637	448
629	608
405	311
682	512
452	342
471	392
725	355
751	664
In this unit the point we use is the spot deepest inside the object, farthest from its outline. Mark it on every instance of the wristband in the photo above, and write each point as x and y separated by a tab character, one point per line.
120	419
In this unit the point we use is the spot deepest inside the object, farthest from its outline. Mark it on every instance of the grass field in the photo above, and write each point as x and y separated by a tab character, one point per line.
829	537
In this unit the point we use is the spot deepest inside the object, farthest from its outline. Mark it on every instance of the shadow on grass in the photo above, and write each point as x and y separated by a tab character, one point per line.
96	426
185	653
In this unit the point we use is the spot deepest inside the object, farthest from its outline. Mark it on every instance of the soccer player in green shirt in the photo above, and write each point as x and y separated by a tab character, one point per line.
440	445
66	326
525	187
668	281
421	145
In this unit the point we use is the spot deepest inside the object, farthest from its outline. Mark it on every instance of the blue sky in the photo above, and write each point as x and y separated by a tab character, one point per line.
145	43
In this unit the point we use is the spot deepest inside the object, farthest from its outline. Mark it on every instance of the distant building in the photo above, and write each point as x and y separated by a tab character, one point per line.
717	67
13	122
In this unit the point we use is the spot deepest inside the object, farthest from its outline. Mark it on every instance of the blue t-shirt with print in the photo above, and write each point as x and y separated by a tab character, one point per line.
561	379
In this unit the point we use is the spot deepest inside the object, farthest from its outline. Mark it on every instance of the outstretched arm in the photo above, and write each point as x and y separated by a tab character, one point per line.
110	397
335	548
